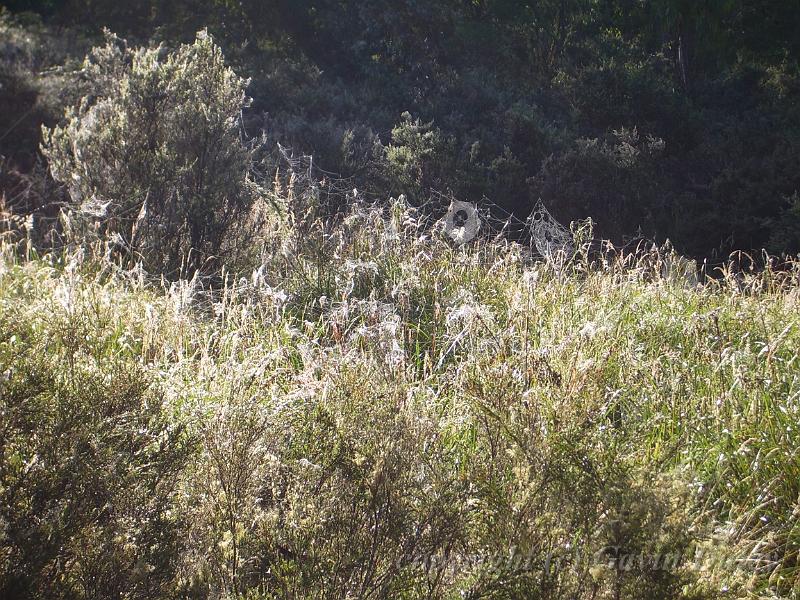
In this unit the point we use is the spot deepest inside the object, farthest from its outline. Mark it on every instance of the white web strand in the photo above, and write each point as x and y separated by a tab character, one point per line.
553	241
462	222
549	239
316	184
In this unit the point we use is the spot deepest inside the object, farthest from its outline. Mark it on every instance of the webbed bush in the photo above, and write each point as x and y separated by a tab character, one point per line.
89	458
154	158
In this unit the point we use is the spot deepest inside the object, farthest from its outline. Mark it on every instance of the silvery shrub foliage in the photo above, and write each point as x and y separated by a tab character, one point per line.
153	156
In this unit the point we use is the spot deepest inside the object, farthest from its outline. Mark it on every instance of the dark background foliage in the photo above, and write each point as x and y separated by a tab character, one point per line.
670	118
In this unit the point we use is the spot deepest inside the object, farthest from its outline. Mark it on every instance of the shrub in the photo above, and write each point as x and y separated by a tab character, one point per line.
416	157
786	229
88	457
382	414
153	157
615	180
30	92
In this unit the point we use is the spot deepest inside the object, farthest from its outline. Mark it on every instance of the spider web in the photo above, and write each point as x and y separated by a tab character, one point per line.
552	240
313	183
495	220
541	232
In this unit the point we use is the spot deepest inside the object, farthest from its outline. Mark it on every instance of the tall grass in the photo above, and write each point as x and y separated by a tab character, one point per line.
374	413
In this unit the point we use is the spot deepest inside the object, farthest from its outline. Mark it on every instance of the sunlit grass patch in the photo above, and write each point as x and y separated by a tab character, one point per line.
398	417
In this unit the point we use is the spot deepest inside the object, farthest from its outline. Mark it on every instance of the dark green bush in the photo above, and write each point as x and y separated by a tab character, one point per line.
417	157
616	181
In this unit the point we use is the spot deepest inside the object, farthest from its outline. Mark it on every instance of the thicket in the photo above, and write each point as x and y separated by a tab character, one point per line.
374	412
153	155
519	101
358	407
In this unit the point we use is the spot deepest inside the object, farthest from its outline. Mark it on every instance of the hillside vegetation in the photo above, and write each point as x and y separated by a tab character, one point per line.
226	372
665	118
377	413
